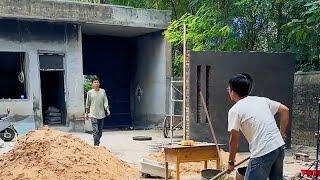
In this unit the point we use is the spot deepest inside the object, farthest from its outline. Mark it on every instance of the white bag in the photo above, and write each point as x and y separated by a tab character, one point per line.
1	143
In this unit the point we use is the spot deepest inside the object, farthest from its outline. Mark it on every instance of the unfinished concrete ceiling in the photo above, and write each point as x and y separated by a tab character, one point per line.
94	18
112	30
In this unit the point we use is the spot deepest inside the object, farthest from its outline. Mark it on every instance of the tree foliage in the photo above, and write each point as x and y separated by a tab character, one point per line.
304	37
241	25
250	25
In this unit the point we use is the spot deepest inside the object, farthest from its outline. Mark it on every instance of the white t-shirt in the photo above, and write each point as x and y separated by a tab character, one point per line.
254	116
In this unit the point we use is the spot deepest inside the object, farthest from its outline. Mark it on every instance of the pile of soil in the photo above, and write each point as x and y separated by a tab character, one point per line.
51	154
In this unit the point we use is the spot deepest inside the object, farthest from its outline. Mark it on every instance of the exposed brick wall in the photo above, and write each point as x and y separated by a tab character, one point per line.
187	91
305	108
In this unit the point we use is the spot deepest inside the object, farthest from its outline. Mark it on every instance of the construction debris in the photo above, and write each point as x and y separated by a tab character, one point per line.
149	168
53	116
186	143
1	143
301	156
50	154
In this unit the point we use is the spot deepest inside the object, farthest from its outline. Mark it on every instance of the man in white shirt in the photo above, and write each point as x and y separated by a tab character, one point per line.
254	116
97	108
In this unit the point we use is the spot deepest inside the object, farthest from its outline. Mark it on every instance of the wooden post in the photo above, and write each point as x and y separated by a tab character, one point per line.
205	164
178	169
166	175
184	80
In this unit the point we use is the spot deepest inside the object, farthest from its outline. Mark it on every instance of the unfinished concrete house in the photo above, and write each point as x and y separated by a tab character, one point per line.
46	48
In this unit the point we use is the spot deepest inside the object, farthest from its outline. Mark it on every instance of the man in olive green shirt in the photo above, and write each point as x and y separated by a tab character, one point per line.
97	108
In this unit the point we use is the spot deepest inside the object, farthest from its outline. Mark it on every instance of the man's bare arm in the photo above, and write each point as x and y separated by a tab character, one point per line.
233	147
284	119
233	144
87	108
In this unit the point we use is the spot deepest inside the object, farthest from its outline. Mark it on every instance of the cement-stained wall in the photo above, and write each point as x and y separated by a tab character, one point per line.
84	13
32	37
149	83
305	108
153	68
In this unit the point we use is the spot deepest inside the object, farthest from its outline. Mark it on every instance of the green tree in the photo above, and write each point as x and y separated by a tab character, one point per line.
251	25
241	25
304	38
207	29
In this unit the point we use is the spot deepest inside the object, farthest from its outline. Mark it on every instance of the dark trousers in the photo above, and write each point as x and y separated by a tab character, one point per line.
97	126
267	166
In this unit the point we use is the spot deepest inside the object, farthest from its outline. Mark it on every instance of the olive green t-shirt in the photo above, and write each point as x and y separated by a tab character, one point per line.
97	102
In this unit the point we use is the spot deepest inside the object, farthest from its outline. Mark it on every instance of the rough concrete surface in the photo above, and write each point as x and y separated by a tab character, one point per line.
305	107
36	37
55	11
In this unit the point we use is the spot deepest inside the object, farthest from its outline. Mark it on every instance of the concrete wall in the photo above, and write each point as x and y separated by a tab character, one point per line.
84	13
149	85
305	108
32	37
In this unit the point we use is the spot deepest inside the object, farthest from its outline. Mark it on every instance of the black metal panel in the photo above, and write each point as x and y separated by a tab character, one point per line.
110	58
273	75
51	61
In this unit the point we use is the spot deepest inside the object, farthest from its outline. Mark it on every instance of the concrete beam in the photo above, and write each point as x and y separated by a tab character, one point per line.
84	13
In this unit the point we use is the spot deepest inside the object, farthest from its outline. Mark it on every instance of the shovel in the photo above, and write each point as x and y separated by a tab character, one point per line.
225	171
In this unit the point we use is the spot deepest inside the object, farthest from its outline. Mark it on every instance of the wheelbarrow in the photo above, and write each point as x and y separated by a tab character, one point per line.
7	130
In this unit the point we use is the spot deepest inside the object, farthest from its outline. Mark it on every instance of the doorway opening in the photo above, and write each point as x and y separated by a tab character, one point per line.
52	89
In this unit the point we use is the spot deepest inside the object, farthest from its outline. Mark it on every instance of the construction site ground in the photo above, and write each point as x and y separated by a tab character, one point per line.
121	145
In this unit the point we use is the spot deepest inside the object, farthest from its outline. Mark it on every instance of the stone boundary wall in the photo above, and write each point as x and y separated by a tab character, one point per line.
305	108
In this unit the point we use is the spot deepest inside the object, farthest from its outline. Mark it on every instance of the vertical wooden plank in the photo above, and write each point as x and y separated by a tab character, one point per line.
166	175
218	164
205	164
184	79
178	169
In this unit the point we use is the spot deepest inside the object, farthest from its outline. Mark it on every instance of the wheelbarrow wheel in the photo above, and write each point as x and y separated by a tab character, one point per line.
8	134
166	127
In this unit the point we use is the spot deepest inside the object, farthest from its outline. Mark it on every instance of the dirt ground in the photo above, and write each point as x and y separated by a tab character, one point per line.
51	154
121	146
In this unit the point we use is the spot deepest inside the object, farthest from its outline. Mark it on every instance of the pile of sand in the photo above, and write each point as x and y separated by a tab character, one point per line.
51	154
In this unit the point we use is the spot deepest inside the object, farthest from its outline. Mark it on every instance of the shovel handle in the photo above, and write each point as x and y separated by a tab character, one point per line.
225	171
